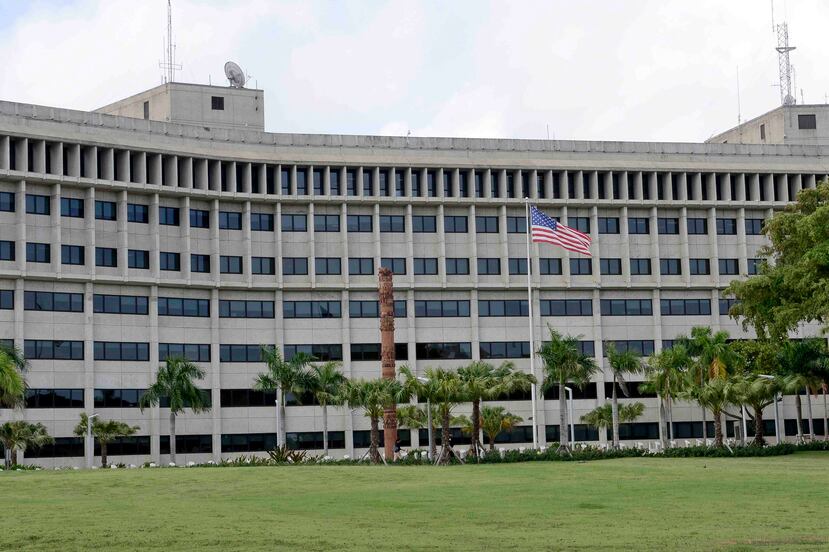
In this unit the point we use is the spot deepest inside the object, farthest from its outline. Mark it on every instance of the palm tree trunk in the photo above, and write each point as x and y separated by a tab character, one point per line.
718	437
825	415
444	438
758	428
433	448
670	418
476	429
103	454
799	409
325	428
663	435
492	442
13	456
374	454
282	425
809	414
172	438
7	457
563	437
704	426
614	408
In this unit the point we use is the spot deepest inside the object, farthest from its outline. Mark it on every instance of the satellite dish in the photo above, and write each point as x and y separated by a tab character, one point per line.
235	75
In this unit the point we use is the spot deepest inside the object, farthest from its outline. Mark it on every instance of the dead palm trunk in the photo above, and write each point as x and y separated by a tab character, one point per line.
374	454
799	410
563	437
758	428
614	408
172	437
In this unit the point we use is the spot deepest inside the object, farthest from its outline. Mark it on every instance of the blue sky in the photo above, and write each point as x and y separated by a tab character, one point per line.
592	69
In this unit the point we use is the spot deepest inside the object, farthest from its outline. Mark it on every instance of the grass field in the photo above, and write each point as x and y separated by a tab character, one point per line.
779	503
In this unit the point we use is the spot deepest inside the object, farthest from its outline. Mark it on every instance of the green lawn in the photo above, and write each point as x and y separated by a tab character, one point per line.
779	503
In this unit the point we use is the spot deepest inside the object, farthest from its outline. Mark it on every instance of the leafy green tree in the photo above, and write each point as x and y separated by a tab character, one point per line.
105	431
283	376
325	381
483	381
175	382
563	363
373	396
12	383
793	288
621	364
666	376
602	416
21	436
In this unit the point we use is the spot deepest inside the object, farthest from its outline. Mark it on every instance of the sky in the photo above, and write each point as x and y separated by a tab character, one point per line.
579	69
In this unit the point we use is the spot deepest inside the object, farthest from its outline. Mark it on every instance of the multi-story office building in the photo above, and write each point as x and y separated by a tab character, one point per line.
126	240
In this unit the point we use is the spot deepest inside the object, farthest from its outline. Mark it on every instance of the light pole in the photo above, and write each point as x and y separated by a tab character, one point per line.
424	381
90	443
570	412
776	412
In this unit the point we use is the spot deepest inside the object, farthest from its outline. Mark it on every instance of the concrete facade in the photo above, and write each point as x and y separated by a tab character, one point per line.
195	104
787	124
435	187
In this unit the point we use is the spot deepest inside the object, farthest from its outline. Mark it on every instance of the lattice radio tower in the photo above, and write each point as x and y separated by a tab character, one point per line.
784	65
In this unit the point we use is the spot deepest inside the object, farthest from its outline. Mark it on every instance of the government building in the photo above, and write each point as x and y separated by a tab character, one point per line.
171	223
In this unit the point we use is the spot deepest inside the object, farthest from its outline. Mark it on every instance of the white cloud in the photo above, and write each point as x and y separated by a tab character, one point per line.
595	69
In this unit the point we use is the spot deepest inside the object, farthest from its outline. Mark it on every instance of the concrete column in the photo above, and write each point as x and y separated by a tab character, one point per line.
247	260
123	235
20	217
683	241
55	238
155	265
215	375
185	235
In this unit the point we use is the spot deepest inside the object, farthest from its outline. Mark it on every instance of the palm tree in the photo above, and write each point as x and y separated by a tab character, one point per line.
563	363
756	393
483	381
283	376
105	431
415	417
801	365
175	383
447	392
325	381
374	396
602	416
21	436
621	363
496	419
665	376
12	383
715	394
714	359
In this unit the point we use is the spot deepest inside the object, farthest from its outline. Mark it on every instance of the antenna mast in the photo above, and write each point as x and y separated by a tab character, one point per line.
170	65
784	65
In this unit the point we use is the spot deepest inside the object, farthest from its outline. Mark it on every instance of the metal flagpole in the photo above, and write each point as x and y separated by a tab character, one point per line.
532	341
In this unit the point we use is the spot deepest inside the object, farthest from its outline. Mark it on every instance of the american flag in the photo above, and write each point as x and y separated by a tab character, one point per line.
545	229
